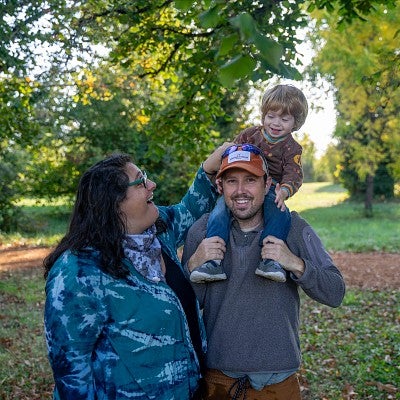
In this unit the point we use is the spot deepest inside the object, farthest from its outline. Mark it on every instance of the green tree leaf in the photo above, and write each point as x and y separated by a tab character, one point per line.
239	67
183	5
245	23
227	44
270	50
210	18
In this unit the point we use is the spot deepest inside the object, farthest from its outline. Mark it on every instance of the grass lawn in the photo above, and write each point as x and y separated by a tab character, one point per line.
341	224
352	352
24	370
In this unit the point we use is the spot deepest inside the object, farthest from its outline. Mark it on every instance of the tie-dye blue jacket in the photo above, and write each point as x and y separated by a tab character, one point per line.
128	338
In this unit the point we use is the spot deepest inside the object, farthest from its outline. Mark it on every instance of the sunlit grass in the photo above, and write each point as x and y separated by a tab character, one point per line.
61	201
341	224
42	223
317	195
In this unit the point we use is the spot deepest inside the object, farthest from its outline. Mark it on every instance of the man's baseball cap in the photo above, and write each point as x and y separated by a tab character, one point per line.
244	156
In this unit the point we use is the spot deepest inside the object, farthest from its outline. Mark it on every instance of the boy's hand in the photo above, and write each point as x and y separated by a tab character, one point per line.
281	196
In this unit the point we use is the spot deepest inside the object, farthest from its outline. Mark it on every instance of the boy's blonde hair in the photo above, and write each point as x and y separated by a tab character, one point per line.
288	100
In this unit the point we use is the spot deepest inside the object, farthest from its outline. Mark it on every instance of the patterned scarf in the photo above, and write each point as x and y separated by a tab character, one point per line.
144	252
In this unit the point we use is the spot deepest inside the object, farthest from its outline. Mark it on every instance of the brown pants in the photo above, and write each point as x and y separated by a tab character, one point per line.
222	387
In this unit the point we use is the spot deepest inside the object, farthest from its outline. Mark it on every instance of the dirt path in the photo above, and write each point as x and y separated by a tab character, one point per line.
369	270
22	257
364	270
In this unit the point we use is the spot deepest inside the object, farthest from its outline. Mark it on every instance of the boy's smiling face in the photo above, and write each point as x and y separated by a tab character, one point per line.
278	124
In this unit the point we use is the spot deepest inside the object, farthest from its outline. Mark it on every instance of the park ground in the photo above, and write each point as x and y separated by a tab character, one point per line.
374	270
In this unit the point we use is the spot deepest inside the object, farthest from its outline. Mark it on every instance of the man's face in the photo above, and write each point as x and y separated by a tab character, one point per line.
244	195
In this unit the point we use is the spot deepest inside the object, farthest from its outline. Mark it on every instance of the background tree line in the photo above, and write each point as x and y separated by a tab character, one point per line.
362	62
166	81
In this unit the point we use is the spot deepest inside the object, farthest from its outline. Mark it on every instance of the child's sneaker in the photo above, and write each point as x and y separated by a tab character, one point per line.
210	271
272	270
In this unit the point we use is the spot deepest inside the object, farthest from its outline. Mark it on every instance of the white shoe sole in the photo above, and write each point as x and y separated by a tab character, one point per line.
200	277
274	276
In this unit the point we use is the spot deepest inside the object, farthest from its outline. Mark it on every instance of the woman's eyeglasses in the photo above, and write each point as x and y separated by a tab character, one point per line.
142	179
245	147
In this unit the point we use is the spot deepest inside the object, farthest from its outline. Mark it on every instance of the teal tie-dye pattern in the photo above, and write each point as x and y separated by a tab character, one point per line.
123	339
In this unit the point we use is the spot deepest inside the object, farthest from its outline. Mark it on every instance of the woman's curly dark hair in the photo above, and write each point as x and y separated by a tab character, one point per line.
96	219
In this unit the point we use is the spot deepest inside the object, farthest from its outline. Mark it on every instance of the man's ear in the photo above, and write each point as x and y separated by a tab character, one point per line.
218	182
268	184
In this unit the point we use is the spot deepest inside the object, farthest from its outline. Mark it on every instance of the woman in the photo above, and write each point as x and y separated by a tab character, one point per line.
116	297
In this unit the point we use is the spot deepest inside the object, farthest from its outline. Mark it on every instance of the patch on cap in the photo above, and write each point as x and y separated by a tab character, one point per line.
239	155
246	160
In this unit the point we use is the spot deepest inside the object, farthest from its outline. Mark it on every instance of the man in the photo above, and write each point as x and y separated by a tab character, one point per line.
252	323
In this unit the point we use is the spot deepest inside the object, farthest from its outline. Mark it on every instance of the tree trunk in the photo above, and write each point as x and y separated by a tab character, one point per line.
369	196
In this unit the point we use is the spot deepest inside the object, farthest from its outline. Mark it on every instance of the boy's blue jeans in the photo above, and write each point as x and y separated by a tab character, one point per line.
276	222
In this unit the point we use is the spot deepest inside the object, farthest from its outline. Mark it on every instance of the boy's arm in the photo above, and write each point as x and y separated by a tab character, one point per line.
249	135
281	194
292	173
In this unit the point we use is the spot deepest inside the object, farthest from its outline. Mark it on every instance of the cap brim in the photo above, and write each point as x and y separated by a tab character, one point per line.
241	165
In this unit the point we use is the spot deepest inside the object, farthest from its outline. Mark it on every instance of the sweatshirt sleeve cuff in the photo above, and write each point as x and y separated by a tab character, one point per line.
307	275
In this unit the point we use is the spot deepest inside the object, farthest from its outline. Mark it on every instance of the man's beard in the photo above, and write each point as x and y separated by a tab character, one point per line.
249	214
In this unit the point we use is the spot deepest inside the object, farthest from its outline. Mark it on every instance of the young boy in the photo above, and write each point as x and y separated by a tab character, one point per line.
284	110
